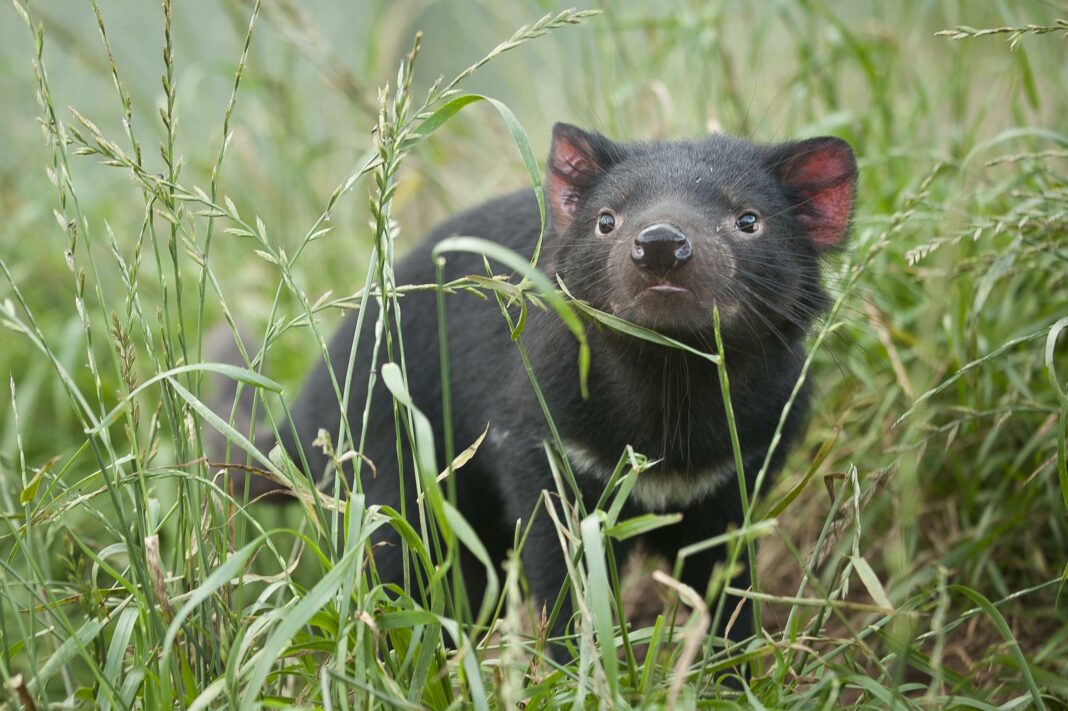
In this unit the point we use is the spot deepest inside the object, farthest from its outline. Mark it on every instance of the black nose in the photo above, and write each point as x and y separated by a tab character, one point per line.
661	248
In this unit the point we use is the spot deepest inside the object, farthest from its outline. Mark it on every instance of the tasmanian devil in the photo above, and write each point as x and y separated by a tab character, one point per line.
654	233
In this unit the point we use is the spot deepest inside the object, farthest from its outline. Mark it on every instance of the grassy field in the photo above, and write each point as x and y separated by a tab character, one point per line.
168	169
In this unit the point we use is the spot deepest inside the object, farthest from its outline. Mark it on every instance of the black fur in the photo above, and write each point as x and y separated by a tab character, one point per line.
662	402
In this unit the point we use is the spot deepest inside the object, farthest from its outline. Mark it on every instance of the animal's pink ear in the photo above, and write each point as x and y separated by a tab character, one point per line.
576	160
820	176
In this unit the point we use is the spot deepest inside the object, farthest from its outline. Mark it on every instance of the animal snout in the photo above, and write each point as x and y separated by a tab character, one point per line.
661	248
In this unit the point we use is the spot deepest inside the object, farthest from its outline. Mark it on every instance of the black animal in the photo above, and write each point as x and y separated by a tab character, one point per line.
657	234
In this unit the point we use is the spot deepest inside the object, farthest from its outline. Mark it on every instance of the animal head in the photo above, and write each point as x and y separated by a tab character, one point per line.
659	233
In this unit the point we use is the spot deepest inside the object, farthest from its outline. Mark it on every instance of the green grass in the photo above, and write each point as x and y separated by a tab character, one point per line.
167	170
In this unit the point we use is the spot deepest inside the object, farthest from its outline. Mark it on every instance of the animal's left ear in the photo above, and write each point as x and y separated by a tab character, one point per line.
577	160
820	177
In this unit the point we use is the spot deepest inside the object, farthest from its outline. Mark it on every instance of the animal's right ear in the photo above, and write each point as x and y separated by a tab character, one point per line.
576	160
820	176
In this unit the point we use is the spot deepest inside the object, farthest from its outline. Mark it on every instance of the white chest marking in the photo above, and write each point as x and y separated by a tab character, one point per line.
657	489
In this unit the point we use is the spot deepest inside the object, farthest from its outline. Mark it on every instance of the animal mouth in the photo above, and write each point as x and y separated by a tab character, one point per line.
666	288
660	303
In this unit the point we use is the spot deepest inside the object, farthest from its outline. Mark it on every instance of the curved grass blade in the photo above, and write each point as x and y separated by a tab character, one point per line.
1003	627
512	260
274	648
240	374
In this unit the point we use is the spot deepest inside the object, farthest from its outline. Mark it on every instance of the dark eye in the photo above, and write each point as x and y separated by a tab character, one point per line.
748	223
606	222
